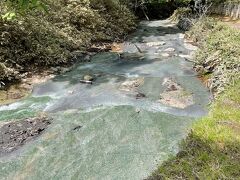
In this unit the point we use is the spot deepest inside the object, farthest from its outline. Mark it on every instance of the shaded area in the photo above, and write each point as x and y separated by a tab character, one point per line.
159	10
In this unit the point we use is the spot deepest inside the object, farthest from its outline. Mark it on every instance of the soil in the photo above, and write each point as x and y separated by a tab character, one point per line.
15	134
22	89
231	22
235	126
13	93
235	23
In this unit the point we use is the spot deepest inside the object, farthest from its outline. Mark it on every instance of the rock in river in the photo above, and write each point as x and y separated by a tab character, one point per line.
88	78
131	85
174	95
17	133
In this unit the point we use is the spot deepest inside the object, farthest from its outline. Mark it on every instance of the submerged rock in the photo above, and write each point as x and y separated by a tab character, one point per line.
131	85
140	95
171	85
64	70
179	99
77	128
174	95
56	69
87	58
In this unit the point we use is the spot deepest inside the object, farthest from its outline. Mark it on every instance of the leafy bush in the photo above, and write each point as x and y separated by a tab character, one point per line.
218	54
51	38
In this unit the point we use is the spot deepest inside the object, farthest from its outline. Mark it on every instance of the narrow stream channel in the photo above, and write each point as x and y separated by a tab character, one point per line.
132	118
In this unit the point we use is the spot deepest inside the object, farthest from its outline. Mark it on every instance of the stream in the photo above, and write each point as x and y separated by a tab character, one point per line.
122	126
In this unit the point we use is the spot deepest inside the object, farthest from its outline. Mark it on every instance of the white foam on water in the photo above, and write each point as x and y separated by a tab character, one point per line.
9	107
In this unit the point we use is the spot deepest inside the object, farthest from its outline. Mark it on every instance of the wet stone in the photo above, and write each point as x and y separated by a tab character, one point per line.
88	78
140	95
131	85
174	95
87	58
15	134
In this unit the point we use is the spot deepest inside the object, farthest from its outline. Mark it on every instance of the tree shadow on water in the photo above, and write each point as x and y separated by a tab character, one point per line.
115	71
153	31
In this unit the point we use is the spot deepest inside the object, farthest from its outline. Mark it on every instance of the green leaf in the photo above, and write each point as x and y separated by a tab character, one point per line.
9	16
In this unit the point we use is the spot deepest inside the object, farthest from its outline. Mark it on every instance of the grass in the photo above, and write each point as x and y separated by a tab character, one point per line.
219	52
212	149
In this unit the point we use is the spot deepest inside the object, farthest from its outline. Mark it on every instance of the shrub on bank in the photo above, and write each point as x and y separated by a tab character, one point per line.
37	39
183	17
218	54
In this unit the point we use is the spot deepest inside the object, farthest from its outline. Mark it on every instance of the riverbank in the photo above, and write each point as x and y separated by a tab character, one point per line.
36	40
212	148
38	44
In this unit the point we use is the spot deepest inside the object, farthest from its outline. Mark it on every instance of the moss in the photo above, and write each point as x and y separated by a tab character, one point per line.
212	149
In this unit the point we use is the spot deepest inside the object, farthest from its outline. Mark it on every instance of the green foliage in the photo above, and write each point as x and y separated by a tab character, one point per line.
9	16
35	39
24	5
219	52
180	13
15	7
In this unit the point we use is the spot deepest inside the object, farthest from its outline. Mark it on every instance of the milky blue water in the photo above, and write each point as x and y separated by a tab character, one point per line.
121	137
